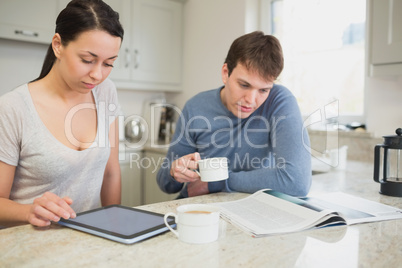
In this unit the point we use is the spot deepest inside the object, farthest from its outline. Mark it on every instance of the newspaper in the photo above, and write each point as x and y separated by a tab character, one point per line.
268	212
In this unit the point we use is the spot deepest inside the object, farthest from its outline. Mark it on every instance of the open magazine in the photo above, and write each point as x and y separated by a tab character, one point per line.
268	212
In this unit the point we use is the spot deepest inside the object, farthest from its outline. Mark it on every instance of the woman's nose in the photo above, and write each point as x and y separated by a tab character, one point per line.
96	72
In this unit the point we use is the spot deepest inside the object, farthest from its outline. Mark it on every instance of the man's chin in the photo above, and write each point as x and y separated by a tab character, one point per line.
243	115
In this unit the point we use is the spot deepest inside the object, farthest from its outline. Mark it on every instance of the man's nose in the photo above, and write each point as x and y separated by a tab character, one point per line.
250	96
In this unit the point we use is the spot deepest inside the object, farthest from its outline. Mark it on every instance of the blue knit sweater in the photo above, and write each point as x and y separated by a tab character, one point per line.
269	149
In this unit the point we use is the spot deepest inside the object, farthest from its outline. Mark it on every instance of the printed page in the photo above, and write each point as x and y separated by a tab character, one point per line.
355	209
264	214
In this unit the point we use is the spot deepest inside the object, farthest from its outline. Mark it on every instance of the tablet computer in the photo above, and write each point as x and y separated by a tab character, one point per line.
119	223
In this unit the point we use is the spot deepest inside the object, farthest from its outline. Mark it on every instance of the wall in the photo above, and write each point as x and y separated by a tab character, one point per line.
383	97
20	62
210	26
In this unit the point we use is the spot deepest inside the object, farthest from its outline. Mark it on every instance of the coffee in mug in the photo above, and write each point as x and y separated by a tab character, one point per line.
196	223
198	212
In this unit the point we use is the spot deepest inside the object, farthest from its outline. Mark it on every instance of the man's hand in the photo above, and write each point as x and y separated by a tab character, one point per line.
182	169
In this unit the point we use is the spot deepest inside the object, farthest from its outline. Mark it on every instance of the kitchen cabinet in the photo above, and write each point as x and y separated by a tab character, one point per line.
150	57
131	187
32	21
151	164
385	32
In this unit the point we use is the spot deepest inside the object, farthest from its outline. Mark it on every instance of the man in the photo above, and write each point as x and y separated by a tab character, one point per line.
250	120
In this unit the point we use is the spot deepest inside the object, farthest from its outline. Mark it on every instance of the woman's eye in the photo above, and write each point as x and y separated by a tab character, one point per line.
108	65
86	61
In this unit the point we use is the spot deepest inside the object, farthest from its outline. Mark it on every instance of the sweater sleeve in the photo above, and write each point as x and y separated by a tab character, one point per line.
179	147
289	169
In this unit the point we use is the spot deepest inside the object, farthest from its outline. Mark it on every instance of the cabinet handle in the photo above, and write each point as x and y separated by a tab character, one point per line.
127	58
26	33
136	59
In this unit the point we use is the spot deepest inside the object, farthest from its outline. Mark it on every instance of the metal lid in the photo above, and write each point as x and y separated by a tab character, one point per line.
394	141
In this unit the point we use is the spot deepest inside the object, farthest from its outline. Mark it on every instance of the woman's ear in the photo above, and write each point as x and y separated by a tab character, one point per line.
225	73
56	45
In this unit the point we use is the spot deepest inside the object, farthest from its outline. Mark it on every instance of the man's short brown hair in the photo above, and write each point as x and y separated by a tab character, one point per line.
257	52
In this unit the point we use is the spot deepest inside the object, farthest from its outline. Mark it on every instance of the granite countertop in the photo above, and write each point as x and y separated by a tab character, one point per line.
376	244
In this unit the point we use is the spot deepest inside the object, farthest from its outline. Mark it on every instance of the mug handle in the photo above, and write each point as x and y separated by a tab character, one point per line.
167	224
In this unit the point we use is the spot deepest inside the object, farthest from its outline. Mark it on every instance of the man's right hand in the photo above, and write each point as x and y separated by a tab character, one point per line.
182	169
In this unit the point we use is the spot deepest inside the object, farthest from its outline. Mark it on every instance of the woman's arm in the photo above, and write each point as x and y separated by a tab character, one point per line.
11	213
49	207
111	187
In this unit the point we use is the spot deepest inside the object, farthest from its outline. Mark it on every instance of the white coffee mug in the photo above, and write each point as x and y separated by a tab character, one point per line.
196	223
213	169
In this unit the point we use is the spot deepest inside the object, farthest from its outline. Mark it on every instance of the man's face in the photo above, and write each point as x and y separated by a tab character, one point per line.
244	90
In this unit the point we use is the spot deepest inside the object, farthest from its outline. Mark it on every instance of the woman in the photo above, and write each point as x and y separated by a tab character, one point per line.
59	150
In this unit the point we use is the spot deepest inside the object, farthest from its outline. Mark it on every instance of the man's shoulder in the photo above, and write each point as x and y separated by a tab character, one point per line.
203	99
280	90
208	94
279	93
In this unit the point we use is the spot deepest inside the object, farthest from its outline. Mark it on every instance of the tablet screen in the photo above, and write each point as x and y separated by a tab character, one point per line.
118	221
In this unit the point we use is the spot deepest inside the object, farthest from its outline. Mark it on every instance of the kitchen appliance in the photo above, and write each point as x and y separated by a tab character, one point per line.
391	183
160	120
152	111
134	130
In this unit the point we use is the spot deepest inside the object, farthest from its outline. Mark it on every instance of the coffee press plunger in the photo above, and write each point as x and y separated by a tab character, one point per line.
391	183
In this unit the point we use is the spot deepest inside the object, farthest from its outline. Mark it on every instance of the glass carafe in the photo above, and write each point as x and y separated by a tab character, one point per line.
391	181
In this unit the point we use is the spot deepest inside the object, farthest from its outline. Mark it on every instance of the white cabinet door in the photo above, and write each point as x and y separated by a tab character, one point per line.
151	54
122	66
131	188
151	165
386	35
156	41
32	20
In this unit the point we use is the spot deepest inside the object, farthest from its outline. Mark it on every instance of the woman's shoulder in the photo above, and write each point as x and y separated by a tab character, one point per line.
15	97
105	90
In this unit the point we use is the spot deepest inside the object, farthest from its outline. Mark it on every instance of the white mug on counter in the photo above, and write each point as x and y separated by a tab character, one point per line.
196	223
213	169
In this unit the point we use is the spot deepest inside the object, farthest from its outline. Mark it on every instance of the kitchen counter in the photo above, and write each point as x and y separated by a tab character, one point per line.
376	244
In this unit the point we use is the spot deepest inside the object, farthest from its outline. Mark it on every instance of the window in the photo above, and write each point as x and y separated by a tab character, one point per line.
323	44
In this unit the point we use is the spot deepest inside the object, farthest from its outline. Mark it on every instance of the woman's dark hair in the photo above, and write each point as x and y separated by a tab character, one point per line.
80	16
257	52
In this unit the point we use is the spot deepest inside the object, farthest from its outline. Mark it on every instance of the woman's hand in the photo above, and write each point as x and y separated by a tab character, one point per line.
182	169
50	207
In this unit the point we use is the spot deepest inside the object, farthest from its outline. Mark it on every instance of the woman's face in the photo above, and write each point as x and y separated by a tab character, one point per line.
88	60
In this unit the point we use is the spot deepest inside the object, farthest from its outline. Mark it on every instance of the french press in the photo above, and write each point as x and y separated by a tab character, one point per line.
391	183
